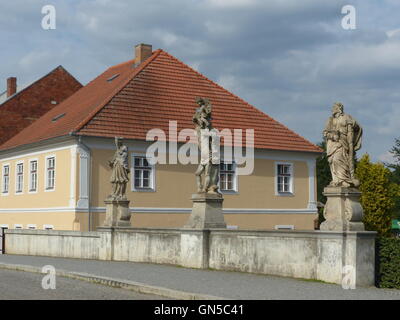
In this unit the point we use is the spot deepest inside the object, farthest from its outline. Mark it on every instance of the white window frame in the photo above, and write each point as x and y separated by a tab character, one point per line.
17	192
18	226
152	179
3	193
4	226
30	176
48	227
235	179
291	185
31	226
46	186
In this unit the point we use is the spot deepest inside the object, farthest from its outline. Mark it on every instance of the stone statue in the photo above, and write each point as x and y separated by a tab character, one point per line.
207	202
343	138
207	173
117	204
120	171
343	210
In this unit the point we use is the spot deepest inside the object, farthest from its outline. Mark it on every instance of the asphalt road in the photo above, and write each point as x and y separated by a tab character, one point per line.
230	285
19	285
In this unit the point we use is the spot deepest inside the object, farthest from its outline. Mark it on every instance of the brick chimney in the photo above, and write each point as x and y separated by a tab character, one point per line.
142	52
11	86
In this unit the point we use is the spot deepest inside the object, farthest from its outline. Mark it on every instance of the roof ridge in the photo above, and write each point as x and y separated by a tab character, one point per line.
70	74
245	102
120	64
117	90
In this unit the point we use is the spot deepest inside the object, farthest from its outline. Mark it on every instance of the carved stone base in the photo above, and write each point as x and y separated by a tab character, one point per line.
117	213
343	211
206	212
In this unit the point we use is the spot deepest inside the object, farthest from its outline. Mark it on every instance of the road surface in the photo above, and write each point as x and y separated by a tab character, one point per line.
228	285
17	285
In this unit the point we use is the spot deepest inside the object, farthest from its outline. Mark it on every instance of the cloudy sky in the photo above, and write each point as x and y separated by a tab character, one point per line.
290	58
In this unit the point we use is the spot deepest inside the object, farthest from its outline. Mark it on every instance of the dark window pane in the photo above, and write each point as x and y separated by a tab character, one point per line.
137	183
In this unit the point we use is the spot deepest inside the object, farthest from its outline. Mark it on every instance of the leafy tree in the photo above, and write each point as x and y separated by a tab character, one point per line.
395	151
378	193
395	173
324	177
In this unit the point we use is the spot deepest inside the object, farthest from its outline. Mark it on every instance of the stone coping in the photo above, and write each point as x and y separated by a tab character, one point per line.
259	233
70	233
150	230
297	233
212	232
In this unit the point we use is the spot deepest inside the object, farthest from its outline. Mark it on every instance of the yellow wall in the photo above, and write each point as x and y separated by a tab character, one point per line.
176	183
242	221
59	220
41	199
57	198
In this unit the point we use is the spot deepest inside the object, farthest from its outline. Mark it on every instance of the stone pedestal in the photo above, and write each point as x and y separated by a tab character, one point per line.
206	212
117	213
343	211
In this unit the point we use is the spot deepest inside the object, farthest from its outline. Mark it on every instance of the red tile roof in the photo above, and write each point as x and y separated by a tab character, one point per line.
29	104
148	96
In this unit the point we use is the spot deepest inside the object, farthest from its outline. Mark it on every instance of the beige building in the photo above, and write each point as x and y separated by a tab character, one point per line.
55	174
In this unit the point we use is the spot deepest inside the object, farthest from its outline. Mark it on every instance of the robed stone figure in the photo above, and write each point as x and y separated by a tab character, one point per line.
343	138
117	203
207	173
207	202
120	171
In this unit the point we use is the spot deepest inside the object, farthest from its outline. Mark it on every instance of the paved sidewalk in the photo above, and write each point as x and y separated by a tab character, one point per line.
226	285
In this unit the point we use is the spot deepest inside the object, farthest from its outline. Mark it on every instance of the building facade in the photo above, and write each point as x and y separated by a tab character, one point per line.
55	174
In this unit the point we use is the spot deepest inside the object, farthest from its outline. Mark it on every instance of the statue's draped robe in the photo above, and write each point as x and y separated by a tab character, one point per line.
209	151
209	145
339	154
120	167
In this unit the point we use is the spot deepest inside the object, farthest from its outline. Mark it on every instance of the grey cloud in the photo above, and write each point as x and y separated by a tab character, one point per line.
289	58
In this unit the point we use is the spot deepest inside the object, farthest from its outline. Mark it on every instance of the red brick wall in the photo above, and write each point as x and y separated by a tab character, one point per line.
34	101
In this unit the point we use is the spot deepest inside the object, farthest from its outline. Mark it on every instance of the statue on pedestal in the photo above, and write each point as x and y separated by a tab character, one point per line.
117	204
343	137
207	202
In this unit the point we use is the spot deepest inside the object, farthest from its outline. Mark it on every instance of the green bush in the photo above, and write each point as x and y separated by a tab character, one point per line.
388	262
378	194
